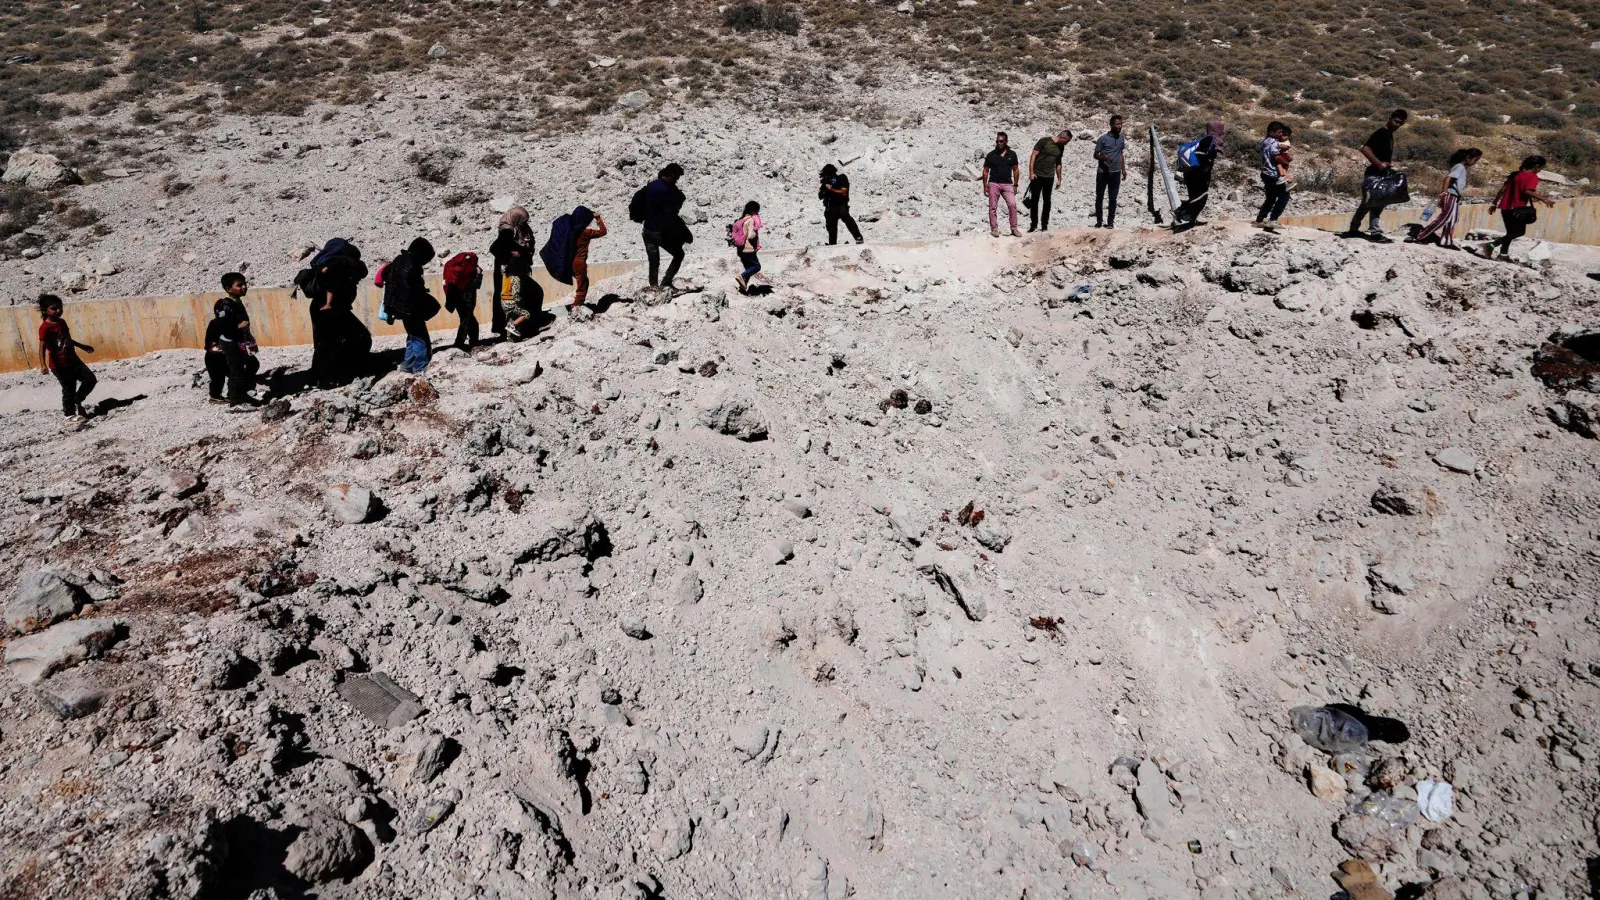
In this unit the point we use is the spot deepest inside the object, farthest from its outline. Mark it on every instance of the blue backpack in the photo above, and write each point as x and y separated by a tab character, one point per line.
1189	154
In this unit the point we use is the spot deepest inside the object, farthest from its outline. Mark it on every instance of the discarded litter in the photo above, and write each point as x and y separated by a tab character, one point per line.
1388	808
1328	729
1080	293
1194	847
1435	799
377	697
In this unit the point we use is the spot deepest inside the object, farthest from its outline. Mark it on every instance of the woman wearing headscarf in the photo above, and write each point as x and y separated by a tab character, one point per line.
1442	228
513	250
1197	173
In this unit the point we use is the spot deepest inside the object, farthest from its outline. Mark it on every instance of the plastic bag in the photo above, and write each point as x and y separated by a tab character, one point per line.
1328	729
1383	190
1435	800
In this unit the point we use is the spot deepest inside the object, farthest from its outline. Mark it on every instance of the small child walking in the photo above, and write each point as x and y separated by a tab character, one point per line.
746	237
230	347
462	278
58	355
580	259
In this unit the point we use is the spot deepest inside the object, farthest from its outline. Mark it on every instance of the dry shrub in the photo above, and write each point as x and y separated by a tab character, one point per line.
749	16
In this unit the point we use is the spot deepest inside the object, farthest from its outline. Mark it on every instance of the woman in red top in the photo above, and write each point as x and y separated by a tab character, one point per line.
58	355
1515	202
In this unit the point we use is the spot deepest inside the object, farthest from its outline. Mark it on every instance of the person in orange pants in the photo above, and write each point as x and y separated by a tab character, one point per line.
580	260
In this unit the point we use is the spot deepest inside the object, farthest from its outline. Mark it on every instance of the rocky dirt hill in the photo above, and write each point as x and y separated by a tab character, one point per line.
929	574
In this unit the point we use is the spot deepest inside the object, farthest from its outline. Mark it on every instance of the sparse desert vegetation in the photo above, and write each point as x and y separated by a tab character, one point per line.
1469	70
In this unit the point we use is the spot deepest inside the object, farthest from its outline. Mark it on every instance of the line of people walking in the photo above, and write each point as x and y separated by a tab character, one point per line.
342	344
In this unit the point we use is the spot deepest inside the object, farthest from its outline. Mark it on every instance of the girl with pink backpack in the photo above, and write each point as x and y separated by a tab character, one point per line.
745	235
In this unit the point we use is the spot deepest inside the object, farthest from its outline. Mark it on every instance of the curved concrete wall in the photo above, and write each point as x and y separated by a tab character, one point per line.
132	326
1575	221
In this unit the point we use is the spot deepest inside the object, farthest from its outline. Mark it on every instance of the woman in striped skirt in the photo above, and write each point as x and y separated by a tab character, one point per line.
1443	226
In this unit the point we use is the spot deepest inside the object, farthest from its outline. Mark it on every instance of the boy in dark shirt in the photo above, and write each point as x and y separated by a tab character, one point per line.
230	347
58	355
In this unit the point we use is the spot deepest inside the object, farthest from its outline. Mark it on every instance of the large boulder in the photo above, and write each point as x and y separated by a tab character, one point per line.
37	170
43	598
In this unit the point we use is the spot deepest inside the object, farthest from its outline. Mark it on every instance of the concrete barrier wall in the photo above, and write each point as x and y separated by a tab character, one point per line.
1575	221
132	326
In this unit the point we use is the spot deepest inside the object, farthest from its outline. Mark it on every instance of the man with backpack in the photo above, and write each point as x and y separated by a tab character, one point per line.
230	347
656	207
406	297
340	342
1379	154
1196	159
462	278
1044	168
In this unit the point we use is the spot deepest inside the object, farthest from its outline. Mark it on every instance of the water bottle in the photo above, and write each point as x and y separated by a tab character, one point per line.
1328	729
1427	214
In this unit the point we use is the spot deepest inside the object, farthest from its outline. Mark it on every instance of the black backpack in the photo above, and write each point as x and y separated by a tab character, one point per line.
636	205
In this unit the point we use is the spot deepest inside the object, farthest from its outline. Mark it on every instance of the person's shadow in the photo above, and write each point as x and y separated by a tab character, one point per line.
606	302
759	290
111	404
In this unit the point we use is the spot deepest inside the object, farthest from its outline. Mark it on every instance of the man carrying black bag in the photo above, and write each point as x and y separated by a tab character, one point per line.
1379	187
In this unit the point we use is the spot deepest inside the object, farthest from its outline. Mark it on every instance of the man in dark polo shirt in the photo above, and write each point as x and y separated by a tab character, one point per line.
1379	154
1000	173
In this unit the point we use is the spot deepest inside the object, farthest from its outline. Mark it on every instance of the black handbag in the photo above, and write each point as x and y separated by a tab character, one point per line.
1520	215
1383	190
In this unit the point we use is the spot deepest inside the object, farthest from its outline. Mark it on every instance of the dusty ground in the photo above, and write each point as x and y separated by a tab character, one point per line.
652	658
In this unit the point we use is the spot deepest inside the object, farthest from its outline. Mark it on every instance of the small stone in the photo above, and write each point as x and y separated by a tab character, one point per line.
1151	794
1325	783
1082	852
777	552
798	507
71	696
350	503
1456	460
688	590
673	836
634	99
749	740
438	51
736	416
182	485
431	753
634	628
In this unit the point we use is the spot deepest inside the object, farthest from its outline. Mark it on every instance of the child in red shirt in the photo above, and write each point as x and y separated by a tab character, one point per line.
580	260
58	354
